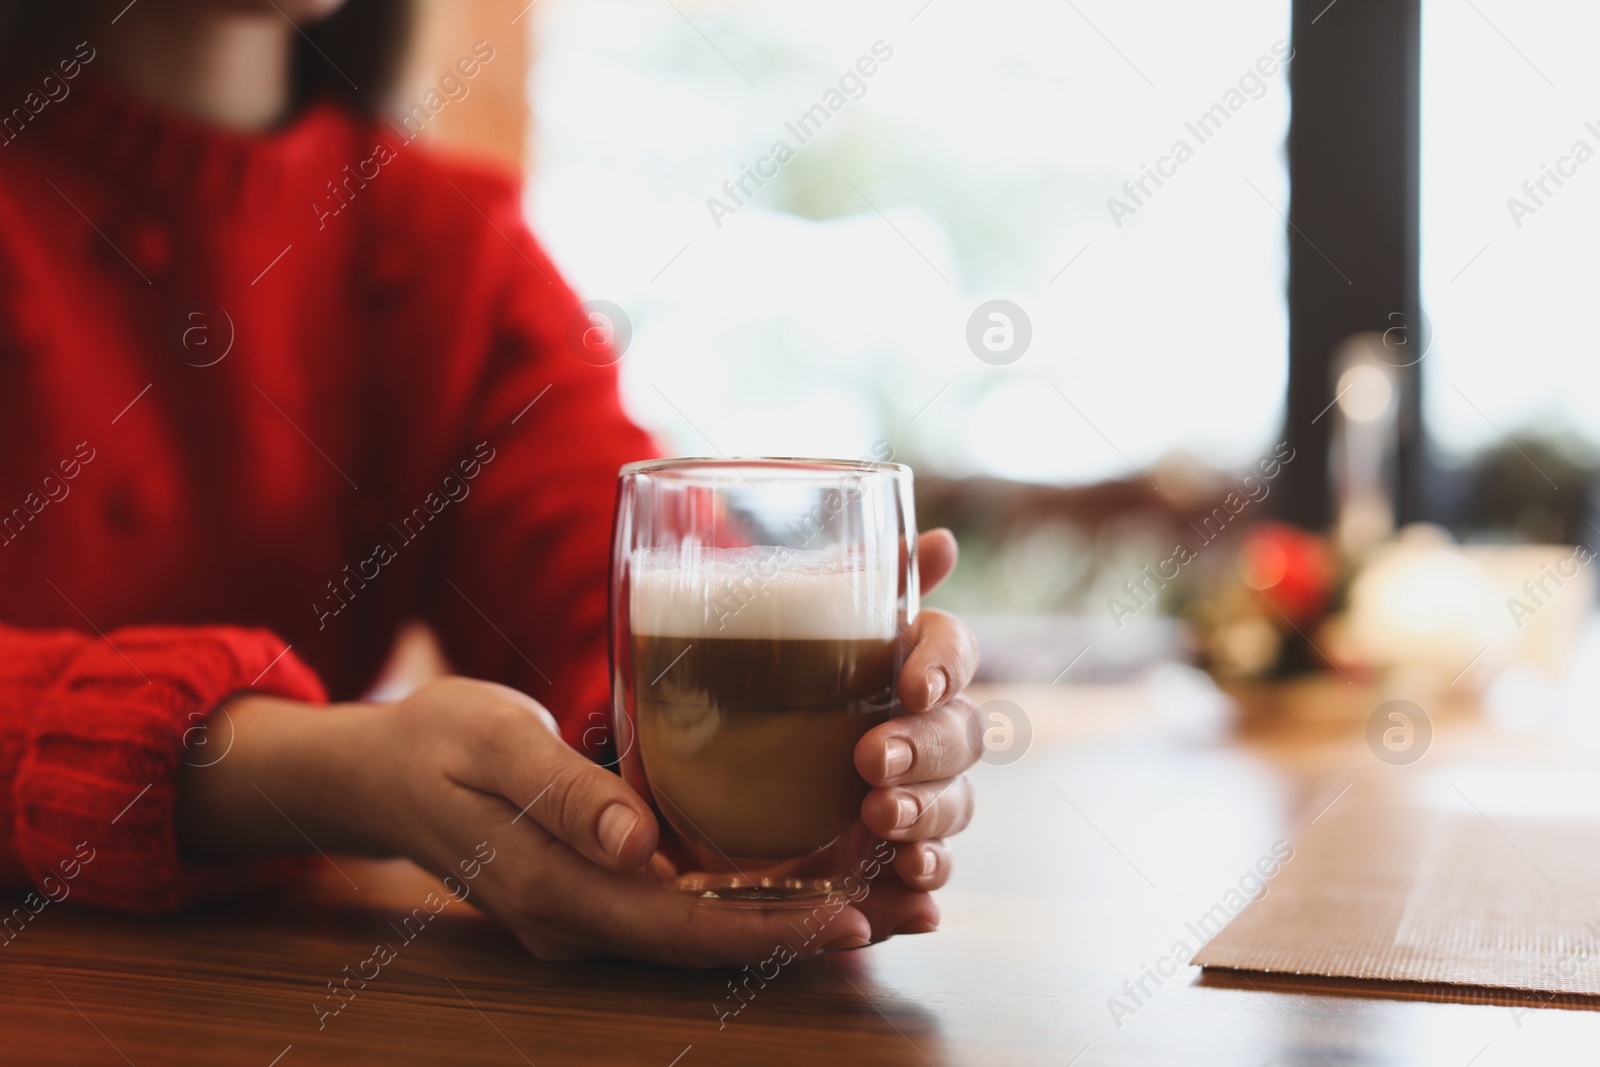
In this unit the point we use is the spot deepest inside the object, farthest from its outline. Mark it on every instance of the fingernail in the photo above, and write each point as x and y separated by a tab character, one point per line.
905	813
616	823
915	926
936	687
896	757
930	862
849	941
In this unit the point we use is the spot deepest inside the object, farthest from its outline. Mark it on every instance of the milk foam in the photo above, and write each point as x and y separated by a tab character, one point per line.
762	593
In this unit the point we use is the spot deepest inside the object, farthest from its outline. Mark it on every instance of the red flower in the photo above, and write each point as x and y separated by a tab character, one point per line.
1292	569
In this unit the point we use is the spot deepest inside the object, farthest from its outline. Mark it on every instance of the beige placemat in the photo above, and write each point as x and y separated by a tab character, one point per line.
1472	882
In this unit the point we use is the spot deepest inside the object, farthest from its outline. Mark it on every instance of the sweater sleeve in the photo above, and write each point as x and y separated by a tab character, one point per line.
529	556
93	732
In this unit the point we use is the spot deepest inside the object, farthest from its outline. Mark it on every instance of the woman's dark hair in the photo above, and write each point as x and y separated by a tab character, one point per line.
353	55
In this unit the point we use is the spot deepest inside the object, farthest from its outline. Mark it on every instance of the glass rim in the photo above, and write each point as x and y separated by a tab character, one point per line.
736	464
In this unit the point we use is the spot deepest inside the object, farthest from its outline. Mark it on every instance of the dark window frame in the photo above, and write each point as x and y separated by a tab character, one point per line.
1353	152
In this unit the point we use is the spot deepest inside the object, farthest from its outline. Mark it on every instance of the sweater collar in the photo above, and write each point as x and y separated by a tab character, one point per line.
109	128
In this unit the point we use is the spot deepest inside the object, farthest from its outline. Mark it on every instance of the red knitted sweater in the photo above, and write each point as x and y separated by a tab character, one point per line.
262	393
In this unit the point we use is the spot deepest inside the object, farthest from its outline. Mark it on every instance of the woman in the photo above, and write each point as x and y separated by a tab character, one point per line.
272	378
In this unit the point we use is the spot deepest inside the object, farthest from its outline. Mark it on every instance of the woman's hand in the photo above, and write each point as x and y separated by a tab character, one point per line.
462	762
917	762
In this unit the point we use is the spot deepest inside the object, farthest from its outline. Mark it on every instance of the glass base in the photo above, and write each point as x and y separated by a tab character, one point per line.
737	891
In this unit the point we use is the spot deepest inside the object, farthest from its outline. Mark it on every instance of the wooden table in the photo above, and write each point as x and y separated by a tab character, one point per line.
1131	813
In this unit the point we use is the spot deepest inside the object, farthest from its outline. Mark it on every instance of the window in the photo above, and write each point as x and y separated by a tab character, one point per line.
824	305
1510	200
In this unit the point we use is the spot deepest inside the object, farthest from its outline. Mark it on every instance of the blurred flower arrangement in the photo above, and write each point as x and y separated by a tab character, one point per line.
1260	617
1417	607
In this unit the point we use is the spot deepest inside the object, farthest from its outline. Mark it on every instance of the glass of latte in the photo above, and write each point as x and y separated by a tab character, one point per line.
757	614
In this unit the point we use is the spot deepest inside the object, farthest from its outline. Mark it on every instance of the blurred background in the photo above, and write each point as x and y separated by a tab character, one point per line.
1284	383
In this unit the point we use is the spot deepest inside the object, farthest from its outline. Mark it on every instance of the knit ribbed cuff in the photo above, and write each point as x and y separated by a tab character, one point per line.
108	737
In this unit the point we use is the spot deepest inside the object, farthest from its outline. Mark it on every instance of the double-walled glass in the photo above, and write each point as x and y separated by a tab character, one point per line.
758	608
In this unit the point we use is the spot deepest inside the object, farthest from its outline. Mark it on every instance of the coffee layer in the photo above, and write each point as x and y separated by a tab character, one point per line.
760	674
749	744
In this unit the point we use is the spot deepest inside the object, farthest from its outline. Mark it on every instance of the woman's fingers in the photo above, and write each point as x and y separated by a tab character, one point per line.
922	748
920	811
892	907
649	923
560	881
618	915
922	865
936	558
943	657
508	749
584	805
563	907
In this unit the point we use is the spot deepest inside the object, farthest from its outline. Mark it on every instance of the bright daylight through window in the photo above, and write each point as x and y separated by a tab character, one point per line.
801	210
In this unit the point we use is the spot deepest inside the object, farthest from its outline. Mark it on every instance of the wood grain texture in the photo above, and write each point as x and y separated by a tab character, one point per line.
1128	818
